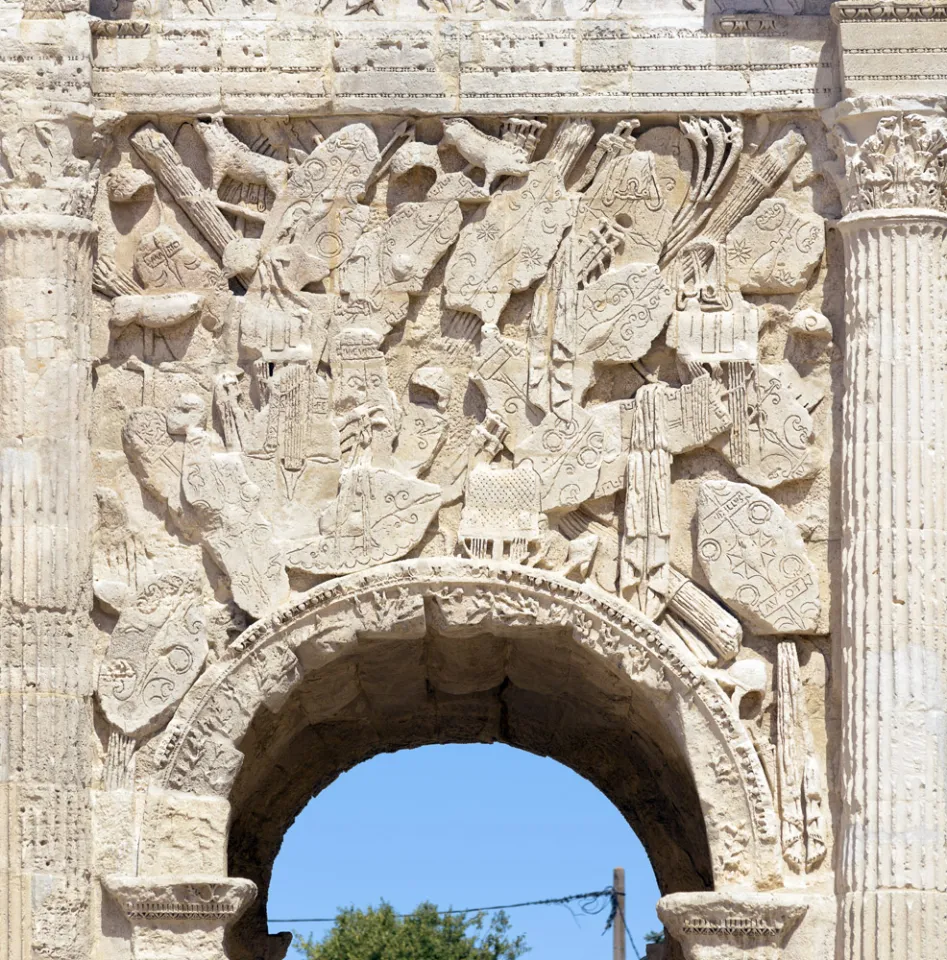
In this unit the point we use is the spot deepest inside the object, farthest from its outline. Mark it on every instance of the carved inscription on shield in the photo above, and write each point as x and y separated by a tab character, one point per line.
511	246
755	559
775	249
621	313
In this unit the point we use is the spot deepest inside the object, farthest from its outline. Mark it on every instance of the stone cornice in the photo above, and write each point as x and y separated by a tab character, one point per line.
162	900
861	12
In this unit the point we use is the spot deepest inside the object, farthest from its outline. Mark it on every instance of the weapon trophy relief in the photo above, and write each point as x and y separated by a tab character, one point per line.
593	349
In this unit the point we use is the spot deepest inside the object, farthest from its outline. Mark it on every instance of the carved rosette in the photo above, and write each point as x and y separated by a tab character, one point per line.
718	926
180	917
894	561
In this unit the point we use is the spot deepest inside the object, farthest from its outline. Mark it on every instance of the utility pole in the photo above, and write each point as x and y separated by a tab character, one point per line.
618	925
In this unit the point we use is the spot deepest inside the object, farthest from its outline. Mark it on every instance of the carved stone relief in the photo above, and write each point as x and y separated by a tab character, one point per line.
545	344
281	424
538	344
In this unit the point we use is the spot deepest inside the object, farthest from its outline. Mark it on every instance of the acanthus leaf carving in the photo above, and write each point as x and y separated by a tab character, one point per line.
903	164
892	155
40	172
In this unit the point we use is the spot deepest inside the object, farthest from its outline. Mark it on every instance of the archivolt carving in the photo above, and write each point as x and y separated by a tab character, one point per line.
200	751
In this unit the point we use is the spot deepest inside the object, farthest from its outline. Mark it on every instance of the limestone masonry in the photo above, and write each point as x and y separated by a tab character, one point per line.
566	373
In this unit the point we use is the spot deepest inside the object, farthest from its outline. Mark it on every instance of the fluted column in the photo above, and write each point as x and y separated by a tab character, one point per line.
45	660
892	656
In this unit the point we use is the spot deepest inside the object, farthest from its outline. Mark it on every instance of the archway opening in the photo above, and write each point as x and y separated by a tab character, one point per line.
465	826
537	689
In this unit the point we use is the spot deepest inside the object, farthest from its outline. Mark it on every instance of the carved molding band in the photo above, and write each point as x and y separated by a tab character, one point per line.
845	11
119	28
738	26
731	928
724	926
163	899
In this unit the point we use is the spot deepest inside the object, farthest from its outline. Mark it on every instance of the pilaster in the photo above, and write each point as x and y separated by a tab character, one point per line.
45	265
46	247
892	866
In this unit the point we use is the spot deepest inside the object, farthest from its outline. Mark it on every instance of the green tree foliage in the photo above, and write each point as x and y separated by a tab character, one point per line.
378	934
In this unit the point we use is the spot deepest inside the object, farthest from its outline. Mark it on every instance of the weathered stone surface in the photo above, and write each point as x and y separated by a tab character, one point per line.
307	420
155	653
379	515
401	359
755	559
775	249
511	246
621	313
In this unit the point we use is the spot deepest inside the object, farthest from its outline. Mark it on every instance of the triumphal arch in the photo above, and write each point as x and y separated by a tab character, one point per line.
566	373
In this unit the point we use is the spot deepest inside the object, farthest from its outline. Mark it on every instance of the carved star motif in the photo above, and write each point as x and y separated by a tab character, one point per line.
752	557
740	251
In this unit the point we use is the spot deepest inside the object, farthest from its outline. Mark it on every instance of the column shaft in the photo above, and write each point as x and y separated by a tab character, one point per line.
45	667
893	866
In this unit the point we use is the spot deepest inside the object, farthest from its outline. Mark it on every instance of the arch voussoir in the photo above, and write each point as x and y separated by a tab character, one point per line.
201	751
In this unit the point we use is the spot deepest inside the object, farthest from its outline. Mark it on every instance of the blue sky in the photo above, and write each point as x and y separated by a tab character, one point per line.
465	826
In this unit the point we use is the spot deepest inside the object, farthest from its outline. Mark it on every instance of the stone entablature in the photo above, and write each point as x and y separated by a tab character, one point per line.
443	65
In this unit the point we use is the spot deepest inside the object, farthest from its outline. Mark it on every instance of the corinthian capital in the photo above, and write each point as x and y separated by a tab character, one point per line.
894	153
39	169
